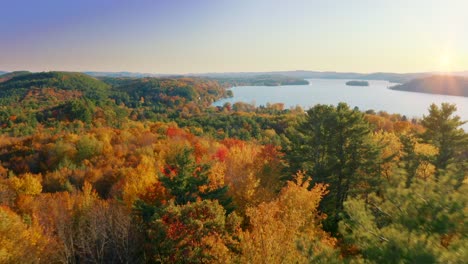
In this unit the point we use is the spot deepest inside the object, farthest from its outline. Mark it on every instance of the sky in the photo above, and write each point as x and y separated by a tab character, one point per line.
196	36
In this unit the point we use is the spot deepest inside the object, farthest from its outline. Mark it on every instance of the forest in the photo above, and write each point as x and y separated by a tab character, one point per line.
146	170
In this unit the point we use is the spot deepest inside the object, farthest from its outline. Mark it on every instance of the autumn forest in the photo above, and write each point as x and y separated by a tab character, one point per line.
147	170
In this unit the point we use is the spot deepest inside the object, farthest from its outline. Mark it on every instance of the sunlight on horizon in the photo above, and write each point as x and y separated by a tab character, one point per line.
445	63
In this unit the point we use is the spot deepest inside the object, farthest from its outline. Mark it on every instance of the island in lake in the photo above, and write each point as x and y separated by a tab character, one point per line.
437	84
357	83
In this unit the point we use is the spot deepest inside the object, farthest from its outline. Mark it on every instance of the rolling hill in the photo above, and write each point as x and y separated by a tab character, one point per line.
437	84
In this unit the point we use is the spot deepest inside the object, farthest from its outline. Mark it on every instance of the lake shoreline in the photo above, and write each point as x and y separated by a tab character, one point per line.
377	96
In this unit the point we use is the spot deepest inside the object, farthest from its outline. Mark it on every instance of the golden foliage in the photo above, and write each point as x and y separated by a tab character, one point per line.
27	184
278	227
20	243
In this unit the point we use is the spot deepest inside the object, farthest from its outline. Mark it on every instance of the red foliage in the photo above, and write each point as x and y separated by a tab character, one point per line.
221	154
175	230
231	142
271	152
174	132
169	171
155	194
198	151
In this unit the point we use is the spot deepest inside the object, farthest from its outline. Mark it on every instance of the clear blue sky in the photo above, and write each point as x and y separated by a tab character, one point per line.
240	35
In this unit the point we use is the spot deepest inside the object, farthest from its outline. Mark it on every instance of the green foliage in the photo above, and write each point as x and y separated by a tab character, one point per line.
45	98
192	233
79	110
91	87
333	145
184	178
165	92
443	131
87	147
425	222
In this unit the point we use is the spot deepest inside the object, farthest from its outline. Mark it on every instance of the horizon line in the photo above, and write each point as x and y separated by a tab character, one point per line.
240	72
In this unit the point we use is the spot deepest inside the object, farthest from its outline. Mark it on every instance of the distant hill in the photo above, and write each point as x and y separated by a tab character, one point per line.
125	74
299	74
71	99
7	76
22	82
437	84
3	72
391	77
165	91
260	80
27	99
229	79
384	76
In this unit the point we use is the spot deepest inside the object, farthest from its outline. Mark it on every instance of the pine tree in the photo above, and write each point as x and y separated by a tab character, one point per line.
425	222
443	131
333	144
184	178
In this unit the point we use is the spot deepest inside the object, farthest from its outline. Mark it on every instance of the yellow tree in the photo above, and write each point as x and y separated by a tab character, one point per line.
391	151
20	243
288	229
240	175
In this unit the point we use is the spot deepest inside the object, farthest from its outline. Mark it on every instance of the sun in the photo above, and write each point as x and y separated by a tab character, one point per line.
445	63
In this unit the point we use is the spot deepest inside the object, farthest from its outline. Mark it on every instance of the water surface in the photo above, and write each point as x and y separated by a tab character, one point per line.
376	96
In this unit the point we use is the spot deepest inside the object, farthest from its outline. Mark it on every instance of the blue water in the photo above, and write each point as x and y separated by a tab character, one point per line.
376	96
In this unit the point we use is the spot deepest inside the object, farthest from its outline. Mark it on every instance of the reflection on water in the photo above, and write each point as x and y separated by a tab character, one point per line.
376	96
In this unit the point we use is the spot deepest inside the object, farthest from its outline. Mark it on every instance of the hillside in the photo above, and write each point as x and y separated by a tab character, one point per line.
21	83
437	84
163	90
29	99
280	77
260	80
49	98
9	75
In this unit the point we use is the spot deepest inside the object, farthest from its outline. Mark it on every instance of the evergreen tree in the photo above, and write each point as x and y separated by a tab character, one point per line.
425	222
183	180
443	131
333	145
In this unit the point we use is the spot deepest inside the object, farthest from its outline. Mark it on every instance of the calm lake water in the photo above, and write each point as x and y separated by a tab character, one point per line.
376	96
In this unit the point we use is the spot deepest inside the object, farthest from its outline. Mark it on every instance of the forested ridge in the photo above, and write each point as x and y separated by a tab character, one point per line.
437	84
146	170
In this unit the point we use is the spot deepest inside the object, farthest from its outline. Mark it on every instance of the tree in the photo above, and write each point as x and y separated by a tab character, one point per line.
185	180
288	229
334	145
187	185
80	109
27	184
198	232
443	131
425	222
20	243
87	147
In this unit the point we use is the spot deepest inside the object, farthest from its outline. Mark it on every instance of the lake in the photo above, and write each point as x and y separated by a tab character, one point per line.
376	96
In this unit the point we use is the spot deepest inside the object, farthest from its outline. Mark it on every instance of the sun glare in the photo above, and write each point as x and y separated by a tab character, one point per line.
444	63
